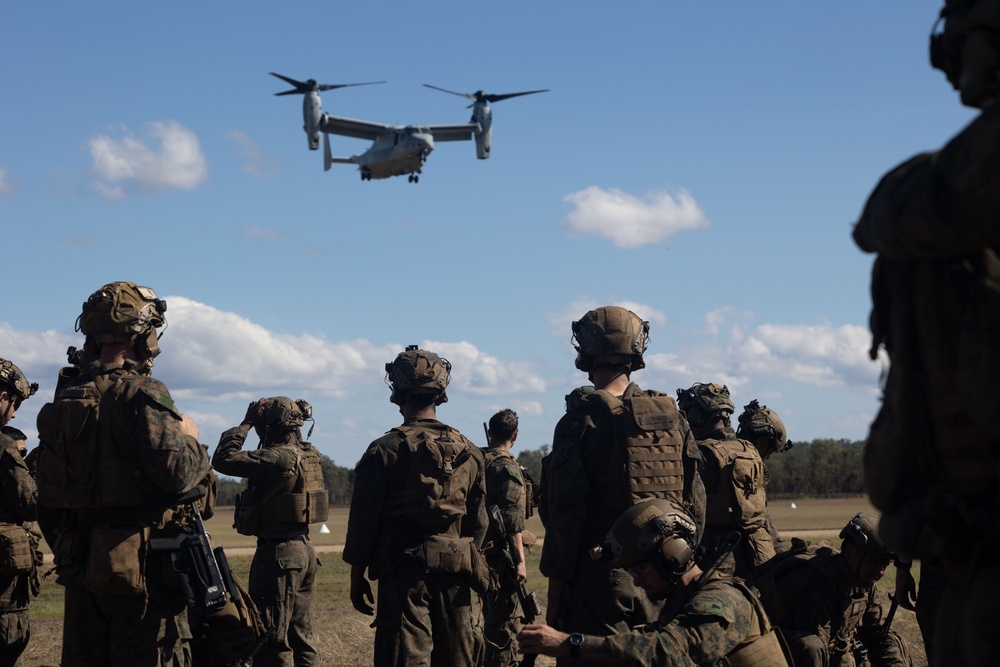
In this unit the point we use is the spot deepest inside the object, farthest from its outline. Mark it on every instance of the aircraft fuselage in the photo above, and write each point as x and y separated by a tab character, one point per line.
396	152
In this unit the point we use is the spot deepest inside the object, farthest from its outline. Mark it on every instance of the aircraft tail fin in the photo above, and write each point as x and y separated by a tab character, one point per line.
329	159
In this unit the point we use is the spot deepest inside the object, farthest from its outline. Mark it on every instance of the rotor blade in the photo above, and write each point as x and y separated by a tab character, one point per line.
468	97
297	84
497	98
292	92
346	85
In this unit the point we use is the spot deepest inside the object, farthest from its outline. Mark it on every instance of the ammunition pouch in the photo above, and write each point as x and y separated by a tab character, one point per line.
116	559
246	516
303	508
16	554
450	555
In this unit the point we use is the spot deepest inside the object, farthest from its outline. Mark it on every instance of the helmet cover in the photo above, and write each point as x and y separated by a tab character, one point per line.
702	402
610	335
862	531
13	377
416	371
120	312
650	527
761	422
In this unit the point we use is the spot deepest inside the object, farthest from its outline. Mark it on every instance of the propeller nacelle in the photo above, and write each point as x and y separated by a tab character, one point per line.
312	106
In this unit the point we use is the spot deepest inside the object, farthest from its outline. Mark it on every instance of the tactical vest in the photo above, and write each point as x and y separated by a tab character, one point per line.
648	457
767	649
80	462
442	466
300	502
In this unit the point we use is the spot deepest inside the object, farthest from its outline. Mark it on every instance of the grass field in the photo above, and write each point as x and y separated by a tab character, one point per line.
344	636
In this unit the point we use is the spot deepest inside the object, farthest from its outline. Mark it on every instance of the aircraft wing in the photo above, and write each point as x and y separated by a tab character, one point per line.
348	127
452	132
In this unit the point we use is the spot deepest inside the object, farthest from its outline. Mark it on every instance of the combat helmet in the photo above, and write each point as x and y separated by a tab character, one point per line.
13	377
575	397
610	335
416	371
121	312
657	529
761	425
862	531
704	403
280	413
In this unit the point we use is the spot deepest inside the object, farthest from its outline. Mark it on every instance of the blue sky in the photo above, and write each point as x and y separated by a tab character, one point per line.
700	163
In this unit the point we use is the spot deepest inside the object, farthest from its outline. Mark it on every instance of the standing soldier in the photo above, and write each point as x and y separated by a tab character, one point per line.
734	481
18	506
115	455
417	522
709	618
761	426
618	446
826	602
932	464
508	502
285	493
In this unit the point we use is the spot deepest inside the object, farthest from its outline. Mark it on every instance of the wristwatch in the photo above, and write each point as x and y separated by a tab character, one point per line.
575	645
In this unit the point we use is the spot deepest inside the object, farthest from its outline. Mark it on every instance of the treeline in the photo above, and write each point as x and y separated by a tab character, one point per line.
821	468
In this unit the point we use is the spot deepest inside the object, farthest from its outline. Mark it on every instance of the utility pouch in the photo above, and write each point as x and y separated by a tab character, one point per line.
246	517
481	580
16	554
116	560
448	555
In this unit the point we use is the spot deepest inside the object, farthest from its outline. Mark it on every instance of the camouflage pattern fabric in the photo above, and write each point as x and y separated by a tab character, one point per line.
283	572
139	425
422	618
501	607
702	630
932	464
18	505
578	482
822	618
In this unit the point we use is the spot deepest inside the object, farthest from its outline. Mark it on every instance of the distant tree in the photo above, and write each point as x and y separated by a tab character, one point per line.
339	481
228	489
823	467
531	460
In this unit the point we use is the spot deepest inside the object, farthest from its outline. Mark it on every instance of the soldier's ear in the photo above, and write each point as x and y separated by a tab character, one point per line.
513	437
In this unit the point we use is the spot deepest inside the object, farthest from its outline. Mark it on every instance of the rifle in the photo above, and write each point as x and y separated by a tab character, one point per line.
887	626
528	601
197	565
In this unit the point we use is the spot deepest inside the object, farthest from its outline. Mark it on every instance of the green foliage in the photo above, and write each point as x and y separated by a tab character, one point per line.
228	490
531	460
821	468
339	481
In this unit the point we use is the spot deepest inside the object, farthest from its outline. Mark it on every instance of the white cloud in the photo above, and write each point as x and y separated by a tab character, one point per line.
483	374
6	187
630	222
257	162
167	157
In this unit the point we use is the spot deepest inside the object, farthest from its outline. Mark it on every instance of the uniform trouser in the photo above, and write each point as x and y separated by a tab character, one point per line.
501	623
425	619
148	630
282	583
14	634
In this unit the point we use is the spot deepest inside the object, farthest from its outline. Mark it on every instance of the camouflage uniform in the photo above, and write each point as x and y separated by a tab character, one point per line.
702	628
501	612
134	614
735	502
822	618
932	464
582	497
423	617
18	503
284	567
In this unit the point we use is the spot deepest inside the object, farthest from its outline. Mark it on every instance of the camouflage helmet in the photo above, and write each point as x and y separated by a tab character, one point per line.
417	371
121	312
13	377
862	531
702	403
610	335
761	425
652	528
575	397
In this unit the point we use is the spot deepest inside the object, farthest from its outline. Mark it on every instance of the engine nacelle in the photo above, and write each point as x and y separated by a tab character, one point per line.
312	113
482	116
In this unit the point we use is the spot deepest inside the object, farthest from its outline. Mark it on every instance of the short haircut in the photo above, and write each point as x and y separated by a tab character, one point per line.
503	425
13	433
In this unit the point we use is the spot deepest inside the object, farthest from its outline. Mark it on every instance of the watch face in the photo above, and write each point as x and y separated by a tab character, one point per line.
576	639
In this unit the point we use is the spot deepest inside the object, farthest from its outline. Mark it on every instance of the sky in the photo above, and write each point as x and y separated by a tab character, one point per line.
699	163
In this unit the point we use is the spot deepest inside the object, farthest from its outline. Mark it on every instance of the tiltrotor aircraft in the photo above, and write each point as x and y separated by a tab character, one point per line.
396	149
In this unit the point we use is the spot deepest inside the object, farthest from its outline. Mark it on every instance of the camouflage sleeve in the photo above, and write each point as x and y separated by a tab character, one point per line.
811	603
887	652
938	205
18	494
171	461
567	492
476	521
229	459
370	487
710	625
779	544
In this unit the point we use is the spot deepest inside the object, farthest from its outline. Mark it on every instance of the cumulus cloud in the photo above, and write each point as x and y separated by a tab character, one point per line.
6	187
256	161
483	374
630	222
166	156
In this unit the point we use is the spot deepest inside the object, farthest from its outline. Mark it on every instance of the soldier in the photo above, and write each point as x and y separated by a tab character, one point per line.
761	426
619	445
417	523
709	618
826	602
18	507
285	493
932	465
508	501
116	453
734	481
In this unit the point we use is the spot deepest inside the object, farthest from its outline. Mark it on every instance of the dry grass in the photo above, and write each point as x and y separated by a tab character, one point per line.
344	637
